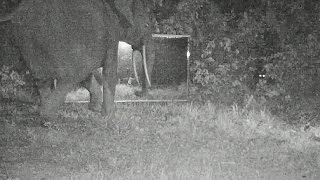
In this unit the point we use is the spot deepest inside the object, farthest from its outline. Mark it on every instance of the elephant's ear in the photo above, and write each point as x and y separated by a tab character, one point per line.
124	6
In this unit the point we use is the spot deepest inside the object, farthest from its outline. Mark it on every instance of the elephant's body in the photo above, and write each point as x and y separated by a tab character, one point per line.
67	40
53	35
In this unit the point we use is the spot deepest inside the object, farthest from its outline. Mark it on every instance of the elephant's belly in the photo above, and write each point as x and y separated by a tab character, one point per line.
66	42
74	62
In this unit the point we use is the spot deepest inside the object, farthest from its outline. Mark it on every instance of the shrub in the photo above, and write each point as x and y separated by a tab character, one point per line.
10	82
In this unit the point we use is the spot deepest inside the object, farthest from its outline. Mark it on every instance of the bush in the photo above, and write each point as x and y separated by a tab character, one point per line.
17	86
226	71
10	82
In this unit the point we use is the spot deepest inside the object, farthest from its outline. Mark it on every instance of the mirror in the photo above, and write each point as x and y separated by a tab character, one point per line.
169	74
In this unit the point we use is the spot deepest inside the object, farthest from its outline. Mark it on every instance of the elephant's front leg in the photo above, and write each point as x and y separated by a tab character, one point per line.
109	74
92	84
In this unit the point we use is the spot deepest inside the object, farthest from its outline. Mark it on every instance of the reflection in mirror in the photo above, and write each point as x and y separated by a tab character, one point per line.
168	75
128	70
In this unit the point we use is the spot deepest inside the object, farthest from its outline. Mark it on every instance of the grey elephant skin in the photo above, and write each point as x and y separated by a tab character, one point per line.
67	40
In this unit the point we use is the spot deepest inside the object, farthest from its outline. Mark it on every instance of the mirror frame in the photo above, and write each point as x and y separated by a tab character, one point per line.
167	36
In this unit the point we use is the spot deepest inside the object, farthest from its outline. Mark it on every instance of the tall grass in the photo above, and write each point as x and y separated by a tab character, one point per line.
173	141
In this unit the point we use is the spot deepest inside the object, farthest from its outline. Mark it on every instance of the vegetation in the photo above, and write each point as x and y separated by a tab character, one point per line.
13	86
127	92
232	39
174	141
7	5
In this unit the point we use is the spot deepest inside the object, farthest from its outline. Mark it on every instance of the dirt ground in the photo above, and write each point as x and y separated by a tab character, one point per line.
171	141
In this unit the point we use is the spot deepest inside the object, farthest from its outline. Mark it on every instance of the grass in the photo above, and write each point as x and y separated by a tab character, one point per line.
174	141
126	92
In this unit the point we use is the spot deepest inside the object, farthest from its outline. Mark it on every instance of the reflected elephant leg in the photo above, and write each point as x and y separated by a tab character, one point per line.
109	74
144	89
94	88
51	101
144	83
147	50
143	80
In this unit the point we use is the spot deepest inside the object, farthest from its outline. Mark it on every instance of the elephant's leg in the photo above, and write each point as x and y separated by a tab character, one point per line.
148	55
44	92
51	101
94	88
144	89
143	82
109	74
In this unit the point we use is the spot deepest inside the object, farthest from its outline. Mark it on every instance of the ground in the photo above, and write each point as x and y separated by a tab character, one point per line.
155	141
126	92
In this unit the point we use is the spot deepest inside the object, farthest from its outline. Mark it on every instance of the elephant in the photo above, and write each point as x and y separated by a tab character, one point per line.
92	83
68	40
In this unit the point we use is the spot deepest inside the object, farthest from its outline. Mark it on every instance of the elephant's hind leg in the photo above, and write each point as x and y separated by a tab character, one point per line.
94	88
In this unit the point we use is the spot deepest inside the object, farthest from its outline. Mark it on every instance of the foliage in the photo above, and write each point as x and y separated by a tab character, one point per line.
10	81
234	40
7	5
